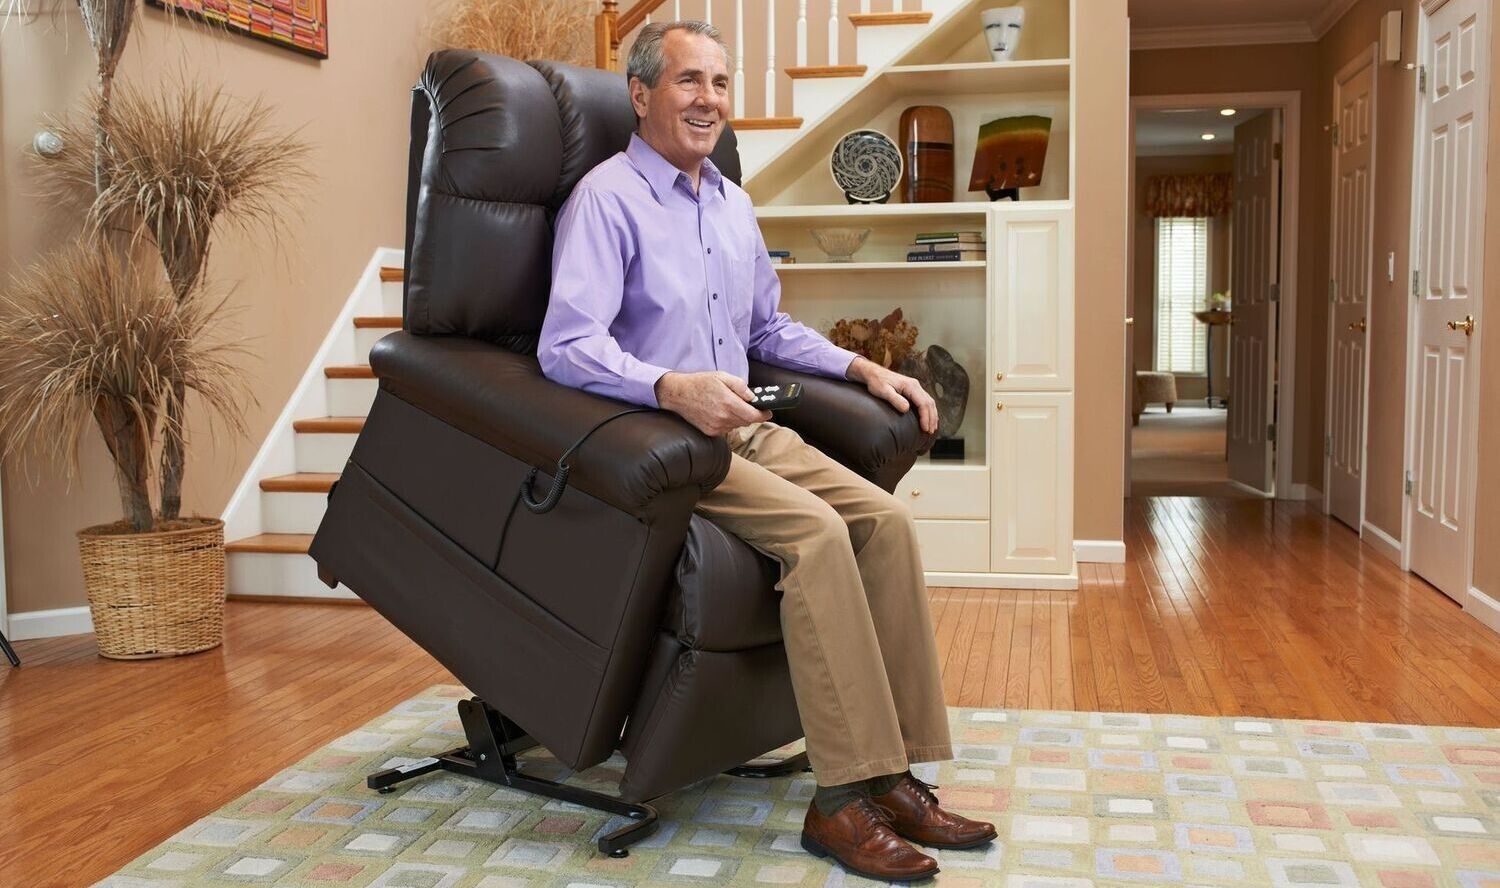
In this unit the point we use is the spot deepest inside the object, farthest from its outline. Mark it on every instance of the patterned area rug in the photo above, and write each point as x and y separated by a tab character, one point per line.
1082	800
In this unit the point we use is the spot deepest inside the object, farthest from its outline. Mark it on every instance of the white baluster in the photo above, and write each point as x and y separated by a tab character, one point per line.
864	5
708	11
771	59
739	58
802	33
833	32
676	10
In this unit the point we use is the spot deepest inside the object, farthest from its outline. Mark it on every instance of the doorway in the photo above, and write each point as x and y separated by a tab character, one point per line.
1212	259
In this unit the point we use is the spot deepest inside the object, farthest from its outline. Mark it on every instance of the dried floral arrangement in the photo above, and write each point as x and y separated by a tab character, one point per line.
557	30
886	342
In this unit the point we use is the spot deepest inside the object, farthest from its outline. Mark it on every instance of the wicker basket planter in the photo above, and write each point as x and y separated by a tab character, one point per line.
158	594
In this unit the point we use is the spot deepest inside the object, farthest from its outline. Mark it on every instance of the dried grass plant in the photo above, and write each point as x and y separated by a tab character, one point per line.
91	334
558	30
175	165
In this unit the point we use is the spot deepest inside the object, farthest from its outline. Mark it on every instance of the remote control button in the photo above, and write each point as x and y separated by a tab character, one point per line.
774	388
757	390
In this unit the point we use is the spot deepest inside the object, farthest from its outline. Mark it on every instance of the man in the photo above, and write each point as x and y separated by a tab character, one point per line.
662	290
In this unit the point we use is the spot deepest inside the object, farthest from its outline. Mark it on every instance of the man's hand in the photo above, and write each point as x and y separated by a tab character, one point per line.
901	391
713	401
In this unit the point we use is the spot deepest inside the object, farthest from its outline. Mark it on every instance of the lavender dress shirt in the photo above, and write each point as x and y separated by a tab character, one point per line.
648	277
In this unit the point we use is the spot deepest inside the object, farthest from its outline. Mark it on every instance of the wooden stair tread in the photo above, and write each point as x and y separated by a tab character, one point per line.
349	371
300	482
390	273
861	19
273	543
381	321
827	71
330	425
741	124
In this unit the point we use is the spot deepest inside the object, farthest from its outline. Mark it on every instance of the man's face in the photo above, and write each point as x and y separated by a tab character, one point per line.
683	115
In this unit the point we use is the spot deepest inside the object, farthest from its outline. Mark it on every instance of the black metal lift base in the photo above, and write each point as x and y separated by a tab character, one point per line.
494	742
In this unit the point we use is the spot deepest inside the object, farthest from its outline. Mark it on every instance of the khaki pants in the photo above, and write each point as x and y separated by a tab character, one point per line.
854	612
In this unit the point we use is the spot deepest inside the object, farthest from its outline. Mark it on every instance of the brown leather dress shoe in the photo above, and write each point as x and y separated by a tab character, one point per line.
859	836
915	814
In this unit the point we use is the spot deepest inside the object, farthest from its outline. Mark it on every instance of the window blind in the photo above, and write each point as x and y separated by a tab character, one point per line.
1181	289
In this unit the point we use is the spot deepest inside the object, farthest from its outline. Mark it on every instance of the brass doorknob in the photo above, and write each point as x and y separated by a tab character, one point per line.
1466	325
1358	325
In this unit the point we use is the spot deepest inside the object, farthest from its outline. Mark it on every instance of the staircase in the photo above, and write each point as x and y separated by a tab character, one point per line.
271	519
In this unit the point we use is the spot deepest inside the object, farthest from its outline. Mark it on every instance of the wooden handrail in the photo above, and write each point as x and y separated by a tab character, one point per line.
610	26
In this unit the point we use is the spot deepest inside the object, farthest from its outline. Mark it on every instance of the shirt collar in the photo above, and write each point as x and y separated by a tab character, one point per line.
662	176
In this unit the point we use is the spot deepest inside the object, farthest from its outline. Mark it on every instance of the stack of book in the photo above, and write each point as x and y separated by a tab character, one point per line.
781	257
947	246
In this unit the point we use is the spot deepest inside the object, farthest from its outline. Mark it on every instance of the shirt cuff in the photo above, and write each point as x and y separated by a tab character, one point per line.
640	384
835	362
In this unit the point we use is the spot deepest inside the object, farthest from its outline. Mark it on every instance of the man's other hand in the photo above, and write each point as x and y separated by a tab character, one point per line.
901	391
713	401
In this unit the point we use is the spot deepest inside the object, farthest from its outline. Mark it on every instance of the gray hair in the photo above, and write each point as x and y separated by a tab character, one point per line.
646	57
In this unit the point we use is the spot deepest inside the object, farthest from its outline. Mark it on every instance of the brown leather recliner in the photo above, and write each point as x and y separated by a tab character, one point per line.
618	619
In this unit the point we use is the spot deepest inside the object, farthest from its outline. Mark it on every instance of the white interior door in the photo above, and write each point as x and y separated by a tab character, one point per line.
1253	279
1349	269
1454	52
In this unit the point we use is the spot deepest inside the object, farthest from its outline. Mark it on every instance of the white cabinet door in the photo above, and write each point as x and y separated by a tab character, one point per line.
1031	525
1031	272
954	546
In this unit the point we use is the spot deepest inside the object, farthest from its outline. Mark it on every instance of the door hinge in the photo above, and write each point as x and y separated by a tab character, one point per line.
1422	79
1328	445
1276	151
1271	432
1416	283
1335	134
1408	482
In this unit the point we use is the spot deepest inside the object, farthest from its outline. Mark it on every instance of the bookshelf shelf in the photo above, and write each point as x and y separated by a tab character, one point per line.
801	268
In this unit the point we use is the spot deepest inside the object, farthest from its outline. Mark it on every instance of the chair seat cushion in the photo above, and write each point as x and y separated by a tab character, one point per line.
725	596
1153	386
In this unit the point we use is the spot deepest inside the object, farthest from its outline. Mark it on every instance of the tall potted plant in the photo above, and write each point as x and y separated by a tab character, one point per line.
112	330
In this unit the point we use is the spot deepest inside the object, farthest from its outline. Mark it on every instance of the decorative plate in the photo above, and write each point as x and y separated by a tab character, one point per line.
866	166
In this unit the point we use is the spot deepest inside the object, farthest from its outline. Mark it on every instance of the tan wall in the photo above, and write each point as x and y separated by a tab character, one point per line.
1101	66
1487	488
1144	283
1272	68
353	109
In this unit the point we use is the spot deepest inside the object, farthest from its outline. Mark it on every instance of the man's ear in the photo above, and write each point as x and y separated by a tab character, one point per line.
638	96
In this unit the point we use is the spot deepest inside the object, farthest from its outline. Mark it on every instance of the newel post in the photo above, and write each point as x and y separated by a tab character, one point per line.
606	38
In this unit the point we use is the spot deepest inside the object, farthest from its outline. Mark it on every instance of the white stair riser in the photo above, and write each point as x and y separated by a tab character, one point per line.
877	45
323	452
812	97
365	339
390	297
351	397
280	574
757	146
286	512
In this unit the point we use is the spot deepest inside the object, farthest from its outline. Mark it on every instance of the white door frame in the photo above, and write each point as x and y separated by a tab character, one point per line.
1370	56
1290	103
1419	157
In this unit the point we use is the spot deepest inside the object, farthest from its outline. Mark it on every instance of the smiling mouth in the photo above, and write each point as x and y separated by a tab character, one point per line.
703	125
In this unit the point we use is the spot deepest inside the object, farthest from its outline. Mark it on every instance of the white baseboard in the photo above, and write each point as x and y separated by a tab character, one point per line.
1483	608
1305	492
49	623
1099	551
1381	542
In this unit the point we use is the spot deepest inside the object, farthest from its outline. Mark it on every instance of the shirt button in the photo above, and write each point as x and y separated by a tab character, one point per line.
716	295
721	342
710	249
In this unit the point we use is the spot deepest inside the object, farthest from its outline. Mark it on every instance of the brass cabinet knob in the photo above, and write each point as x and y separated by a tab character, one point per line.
999	405
916	491
999	377
1466	325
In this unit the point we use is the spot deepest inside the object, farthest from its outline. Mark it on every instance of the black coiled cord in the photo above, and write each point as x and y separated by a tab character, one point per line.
560	479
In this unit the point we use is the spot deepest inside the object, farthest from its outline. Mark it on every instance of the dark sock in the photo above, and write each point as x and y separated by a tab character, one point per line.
830	799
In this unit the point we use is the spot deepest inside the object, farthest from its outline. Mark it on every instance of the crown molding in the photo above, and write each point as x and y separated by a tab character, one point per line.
1181	37
1332	11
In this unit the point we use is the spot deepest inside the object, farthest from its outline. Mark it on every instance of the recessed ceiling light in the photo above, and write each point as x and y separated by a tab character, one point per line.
1208	137
1227	112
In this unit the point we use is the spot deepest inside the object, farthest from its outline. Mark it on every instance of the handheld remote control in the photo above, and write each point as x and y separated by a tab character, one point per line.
776	397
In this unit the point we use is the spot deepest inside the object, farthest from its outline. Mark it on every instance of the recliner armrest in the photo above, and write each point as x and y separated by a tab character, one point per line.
502	398
846	422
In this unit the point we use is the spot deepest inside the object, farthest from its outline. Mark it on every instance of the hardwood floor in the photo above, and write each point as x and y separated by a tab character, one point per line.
1224	607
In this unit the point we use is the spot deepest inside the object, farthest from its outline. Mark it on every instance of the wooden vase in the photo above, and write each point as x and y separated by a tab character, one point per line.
926	137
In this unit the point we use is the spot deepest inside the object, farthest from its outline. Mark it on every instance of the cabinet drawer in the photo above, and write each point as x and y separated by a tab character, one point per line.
954	545
938	491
